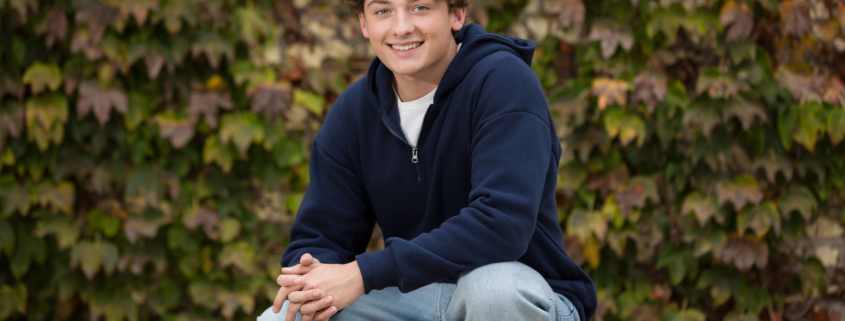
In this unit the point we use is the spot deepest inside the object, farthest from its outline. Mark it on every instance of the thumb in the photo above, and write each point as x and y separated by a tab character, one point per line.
306	259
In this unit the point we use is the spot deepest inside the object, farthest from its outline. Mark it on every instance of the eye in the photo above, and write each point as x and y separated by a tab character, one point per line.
422	8
380	12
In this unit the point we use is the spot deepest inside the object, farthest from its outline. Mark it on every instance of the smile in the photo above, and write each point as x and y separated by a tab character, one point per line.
407	47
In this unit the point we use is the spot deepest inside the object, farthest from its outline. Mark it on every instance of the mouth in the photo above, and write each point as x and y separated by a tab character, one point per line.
408	47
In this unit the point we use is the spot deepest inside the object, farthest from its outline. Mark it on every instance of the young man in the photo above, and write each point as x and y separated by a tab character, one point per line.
449	145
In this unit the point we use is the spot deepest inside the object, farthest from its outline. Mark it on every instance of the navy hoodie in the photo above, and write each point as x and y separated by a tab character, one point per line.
479	189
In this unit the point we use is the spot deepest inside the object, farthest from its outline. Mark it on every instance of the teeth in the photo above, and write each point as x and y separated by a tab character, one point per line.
405	48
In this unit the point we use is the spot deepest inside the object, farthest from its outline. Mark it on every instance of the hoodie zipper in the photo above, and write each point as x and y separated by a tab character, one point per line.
414	151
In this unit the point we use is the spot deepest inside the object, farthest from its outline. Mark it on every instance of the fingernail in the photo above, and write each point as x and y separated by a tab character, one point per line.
296	281
316	293
333	310
329	300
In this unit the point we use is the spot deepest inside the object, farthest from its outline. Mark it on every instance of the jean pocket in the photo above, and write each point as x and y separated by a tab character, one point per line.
566	311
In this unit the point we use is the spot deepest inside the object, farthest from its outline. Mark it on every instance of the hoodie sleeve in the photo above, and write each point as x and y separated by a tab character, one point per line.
335	220
512	164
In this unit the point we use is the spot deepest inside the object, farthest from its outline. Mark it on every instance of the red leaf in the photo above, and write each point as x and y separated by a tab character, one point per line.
207	103
570	13
740	17
56	27
101	100
650	89
796	18
611	38
271	100
744	252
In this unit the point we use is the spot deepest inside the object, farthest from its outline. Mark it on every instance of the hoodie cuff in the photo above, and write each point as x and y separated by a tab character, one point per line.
378	269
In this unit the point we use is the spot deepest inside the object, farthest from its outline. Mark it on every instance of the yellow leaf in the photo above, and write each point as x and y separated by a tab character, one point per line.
609	90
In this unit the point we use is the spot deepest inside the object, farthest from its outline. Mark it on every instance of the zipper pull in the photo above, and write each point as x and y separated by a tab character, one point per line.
414	159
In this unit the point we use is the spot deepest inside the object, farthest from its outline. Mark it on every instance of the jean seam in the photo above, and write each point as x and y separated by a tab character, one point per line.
437	302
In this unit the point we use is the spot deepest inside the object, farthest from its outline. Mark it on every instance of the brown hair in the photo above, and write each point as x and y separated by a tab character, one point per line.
357	6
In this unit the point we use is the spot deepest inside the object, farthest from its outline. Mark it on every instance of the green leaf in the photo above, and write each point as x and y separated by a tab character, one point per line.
759	218
584	224
571	176
702	115
799	199
673	314
62	227
229	230
703	207
12	299
310	100
242	129
254	25
60	197
46	110
722	283
41	76
93	256
836	125
223	155
675	260
745	111
28	249
627	125
240	255
810	124
741	191
772	164
289	152
99	220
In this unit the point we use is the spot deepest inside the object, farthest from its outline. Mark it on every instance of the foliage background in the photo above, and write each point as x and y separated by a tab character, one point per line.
153	152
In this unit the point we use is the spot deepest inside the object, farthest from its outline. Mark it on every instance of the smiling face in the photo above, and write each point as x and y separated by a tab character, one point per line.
412	38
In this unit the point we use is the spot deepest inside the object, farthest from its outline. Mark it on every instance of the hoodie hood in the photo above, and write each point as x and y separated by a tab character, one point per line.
477	44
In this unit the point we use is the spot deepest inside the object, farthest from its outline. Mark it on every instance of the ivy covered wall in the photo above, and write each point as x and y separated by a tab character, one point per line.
153	153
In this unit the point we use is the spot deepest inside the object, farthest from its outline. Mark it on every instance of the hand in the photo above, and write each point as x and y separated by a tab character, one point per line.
290	281
341	283
311	304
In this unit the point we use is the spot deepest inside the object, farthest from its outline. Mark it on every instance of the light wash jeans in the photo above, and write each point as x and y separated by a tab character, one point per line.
500	291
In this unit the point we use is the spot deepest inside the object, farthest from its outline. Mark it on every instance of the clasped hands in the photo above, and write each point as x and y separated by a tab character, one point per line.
318	290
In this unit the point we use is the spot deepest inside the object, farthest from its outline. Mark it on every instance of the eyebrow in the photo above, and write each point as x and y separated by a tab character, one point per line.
386	2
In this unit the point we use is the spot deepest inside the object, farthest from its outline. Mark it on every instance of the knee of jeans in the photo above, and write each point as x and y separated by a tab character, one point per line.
503	284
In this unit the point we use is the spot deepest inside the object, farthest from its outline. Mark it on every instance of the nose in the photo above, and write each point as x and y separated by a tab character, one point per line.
403	24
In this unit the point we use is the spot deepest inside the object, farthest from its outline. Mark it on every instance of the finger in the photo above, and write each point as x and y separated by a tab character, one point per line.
325	314
288	280
308	317
293	309
304	296
280	300
306	259
286	270
302	268
312	307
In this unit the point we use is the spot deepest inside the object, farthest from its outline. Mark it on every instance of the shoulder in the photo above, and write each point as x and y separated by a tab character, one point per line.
342	117
506	84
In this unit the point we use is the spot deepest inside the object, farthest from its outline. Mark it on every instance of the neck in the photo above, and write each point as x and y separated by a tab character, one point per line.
413	86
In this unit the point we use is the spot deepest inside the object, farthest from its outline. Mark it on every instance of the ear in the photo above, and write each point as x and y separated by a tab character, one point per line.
458	17
363	25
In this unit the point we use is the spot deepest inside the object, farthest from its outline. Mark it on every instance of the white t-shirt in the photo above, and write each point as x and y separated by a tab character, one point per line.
411	114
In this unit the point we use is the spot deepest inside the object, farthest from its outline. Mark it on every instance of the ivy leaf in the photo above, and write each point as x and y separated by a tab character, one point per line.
179	131
253	24
772	164
62	227
799	199
627	125
41	76
611	38
741	191
94	256
716	84
222	154
710	240
213	46
272	100
310	100
796	18
745	111
60	197
240	255
289	152
97	17
570	13
810	124
139	9
722	283
209	219
690	314
636	192
206	103
745	252
12	298
740	17
11	121
701	116
242	129
760	218
835	125
802	86
571	176
787	121
675	260
46	110
100	100
137	226
649	88
833	91
703	207
174	12
583	224
229	230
